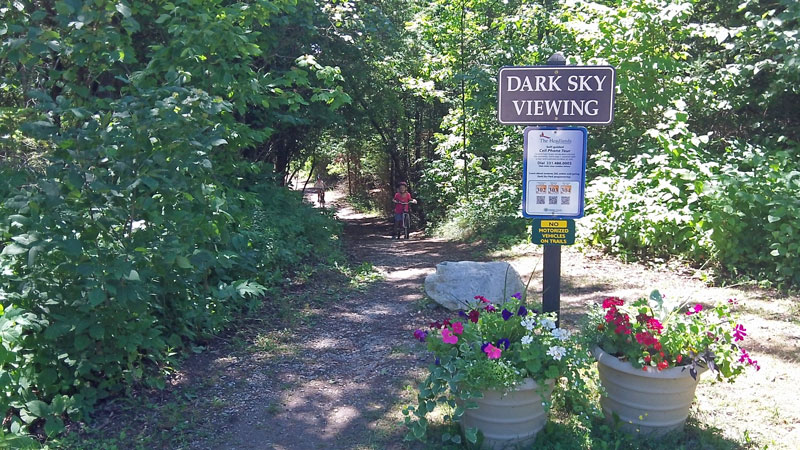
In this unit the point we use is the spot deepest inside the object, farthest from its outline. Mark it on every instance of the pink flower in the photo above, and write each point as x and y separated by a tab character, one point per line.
458	328
481	298
448	338
739	333
490	308
492	352
697	309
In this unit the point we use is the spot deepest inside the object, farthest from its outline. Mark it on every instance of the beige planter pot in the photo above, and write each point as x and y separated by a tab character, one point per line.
648	402
510	419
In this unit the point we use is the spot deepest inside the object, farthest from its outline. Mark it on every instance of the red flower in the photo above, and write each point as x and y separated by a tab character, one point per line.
657	345
678	359
655	325
647	359
473	315
612	301
662	365
490	308
481	298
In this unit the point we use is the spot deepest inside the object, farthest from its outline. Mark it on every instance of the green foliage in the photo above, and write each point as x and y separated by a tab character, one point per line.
142	230
701	160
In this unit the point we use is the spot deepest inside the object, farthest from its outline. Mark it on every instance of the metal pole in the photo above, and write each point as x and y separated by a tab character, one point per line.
551	266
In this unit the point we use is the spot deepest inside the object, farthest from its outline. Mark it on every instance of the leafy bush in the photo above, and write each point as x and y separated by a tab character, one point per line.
142	236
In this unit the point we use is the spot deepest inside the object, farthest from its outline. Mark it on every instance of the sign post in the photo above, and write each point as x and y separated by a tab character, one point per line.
554	174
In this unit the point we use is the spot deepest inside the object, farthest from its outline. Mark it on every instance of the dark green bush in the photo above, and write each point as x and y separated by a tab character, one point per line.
141	237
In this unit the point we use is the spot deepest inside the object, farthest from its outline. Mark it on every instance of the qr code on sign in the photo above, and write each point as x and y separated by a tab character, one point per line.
553	200
565	200
540	199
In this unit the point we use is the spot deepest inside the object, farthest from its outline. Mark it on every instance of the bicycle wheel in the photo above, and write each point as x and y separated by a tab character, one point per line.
406	223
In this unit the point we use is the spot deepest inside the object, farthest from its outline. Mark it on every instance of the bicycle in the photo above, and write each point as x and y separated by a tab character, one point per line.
321	197
406	217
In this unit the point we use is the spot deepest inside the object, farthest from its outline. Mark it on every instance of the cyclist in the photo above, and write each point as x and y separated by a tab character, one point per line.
319	185
402	198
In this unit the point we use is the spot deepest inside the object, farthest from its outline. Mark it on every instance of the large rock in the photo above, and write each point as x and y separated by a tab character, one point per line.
455	284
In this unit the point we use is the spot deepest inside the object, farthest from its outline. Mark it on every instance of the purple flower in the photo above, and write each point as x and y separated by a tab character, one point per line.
462	314
523	311
421	335
436	361
517	296
504	342
507	314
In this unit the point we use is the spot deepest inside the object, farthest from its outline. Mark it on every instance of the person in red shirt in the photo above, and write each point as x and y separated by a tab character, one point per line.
402	198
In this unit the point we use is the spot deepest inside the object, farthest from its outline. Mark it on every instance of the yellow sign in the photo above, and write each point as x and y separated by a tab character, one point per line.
554	223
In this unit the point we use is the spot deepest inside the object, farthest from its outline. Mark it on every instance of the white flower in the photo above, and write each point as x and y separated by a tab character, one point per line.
548	323
527	339
561	334
528	323
557	352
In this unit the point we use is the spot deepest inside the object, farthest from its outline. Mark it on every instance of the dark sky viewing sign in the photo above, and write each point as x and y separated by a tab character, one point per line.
556	95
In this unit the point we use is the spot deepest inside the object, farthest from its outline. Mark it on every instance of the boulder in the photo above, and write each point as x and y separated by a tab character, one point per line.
455	284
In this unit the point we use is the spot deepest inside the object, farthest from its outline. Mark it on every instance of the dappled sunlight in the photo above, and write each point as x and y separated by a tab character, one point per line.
408	274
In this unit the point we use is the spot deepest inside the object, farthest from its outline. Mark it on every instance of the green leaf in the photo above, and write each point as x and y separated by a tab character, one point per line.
472	435
53	426
96	296
183	262
81	341
59	404
37	408
57	330
97	331
133	276
124	9
72	247
14	249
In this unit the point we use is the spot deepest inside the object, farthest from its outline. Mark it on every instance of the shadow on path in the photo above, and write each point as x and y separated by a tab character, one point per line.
342	388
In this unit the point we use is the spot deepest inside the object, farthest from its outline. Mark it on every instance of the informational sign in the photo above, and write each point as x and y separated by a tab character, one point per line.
553	232
554	172
548	95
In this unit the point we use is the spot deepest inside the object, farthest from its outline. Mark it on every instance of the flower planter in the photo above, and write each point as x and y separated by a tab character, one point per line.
649	402
511	419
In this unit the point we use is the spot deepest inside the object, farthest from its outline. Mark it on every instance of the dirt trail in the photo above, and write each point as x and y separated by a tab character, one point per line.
344	386
337	379
347	377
